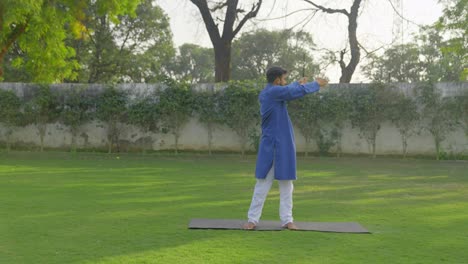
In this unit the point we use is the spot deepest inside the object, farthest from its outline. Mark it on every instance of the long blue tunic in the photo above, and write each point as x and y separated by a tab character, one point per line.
277	140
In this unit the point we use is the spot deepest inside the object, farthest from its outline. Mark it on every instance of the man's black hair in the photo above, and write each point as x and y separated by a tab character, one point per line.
275	72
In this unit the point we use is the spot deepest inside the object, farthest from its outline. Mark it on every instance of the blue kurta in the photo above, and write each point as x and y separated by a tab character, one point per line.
277	141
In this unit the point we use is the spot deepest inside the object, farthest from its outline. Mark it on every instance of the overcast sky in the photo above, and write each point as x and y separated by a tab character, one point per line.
378	24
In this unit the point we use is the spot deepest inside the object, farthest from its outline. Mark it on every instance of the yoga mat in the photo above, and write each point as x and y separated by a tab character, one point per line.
337	227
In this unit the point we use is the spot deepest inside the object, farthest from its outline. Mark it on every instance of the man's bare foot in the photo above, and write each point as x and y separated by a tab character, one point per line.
248	226
290	226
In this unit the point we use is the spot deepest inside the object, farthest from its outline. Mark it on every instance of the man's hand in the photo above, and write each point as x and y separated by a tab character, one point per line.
321	81
302	80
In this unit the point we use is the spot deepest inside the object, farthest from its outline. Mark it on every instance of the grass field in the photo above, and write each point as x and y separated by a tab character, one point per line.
99	208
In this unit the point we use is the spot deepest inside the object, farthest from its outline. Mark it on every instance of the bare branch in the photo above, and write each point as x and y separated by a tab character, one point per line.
305	21
253	13
341	61
218	6
368	53
328	10
222	43
372	51
287	15
272	8
240	11
308	20
230	17
211	27
402	17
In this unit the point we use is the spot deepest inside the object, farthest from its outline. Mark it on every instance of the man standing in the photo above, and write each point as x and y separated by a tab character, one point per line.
277	152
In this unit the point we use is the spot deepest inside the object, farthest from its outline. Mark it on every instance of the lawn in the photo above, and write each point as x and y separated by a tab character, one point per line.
98	208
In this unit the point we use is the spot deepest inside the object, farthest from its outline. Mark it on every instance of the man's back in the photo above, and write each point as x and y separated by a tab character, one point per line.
277	142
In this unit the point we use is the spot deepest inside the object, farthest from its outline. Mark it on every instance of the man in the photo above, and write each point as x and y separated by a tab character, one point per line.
277	152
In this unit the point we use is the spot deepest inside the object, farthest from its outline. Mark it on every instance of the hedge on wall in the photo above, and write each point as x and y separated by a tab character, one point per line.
320	118
10	114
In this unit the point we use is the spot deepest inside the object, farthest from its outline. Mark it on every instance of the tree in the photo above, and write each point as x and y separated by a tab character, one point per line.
429	58
369	110
144	113
437	113
112	111
404	114
439	61
175	106
131	49
194	64
42	109
347	70
256	51
454	22
321	117
208	109
306	116
77	110
12	72
444	45
399	63
10	113
212	13
40	28
335	113
462	111
240	109
438	54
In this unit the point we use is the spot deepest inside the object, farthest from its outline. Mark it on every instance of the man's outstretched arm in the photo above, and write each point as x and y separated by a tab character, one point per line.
297	89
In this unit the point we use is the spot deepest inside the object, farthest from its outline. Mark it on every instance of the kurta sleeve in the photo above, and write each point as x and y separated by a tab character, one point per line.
293	91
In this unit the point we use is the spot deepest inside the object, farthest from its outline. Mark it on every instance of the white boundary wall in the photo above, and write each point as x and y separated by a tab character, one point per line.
194	135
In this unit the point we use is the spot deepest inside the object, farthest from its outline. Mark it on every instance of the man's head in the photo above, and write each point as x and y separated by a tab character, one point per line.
276	75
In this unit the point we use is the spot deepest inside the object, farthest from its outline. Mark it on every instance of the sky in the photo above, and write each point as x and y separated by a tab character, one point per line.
378	24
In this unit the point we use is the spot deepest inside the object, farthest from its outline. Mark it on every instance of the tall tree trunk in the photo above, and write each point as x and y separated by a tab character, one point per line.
176	141
338	146
404	140
243	140
222	50
42	143
110	135
347	71
437	146
97	67
147	144
42	132
243	143
210	137
222	42
109	145
373	140
74	133
8	139
73	143
373	148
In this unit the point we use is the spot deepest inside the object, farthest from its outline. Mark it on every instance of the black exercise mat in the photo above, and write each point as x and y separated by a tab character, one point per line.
338	227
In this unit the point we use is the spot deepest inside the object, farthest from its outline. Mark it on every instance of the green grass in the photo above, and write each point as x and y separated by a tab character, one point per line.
95	208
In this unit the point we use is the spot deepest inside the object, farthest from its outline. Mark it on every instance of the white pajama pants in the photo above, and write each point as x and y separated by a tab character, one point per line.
262	187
